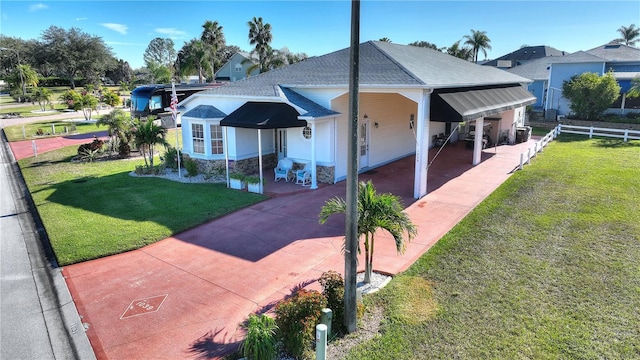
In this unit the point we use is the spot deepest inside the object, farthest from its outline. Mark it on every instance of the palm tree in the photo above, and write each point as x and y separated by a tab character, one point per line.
630	35
375	212
193	57
479	41
147	135
118	123
385	39
461	52
260	36
213	37
272	59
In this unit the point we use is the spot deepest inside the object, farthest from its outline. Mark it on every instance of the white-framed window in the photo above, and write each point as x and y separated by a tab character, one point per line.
306	132
238	67
217	144
197	134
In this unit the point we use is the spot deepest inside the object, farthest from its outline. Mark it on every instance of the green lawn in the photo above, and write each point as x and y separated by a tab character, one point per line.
548	267
15	132
91	210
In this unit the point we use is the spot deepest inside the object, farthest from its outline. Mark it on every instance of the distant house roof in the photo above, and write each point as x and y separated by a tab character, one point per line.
577	57
381	64
527	53
205	112
614	51
537	69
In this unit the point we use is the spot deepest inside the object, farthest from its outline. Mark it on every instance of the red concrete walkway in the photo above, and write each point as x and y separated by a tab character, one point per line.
185	296
24	149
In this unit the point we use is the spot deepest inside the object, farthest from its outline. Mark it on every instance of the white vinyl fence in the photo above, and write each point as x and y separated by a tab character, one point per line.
538	146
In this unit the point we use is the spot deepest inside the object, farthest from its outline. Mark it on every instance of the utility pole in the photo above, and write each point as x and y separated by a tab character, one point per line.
351	231
24	89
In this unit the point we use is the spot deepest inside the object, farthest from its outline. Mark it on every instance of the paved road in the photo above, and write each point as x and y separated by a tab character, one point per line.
38	319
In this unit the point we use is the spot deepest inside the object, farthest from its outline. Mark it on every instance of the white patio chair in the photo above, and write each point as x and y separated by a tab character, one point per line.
303	176
282	170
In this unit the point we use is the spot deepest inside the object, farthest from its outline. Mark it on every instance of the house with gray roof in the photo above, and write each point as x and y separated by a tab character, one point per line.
407	95
622	60
236	67
524	55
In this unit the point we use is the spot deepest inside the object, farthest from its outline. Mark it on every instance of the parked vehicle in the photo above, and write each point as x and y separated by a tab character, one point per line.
155	99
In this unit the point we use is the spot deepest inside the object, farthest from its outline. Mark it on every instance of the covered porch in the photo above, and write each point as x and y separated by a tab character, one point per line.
397	177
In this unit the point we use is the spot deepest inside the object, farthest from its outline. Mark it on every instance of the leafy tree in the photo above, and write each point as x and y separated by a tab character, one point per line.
291	58
590	94
42	96
630	35
72	99
461	52
88	103
213	37
109	97
146	136
634	91
160	52
159	73
75	53
385	39
120	72
479	41
425	44
119	124
375	212
272	59
260	36
193	58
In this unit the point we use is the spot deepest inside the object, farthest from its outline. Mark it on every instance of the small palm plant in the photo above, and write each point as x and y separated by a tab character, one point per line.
375	211
260	342
147	136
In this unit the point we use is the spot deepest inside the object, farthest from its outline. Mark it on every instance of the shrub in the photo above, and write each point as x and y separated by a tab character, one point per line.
95	145
333	290
170	158
590	94
191	166
260	342
297	318
89	154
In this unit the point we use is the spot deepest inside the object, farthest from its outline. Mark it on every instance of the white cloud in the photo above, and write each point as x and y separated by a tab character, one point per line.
39	6
121	28
81	19
172	32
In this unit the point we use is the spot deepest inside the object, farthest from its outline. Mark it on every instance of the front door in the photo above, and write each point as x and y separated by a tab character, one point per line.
363	144
281	143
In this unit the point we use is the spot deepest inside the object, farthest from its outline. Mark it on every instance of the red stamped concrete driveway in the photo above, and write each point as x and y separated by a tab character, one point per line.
186	296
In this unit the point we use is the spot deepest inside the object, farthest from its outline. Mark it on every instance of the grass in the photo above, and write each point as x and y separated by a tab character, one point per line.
547	267
26	111
91	210
15	132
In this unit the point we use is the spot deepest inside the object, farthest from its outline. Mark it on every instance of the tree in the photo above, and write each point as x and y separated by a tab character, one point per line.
425	44
118	123
590	94
260	36
385	39
629	34
479	41
147	135
160	52
461	52
159	73
272	59
193	58
375	212
42	96
76	53
109	97
213	37
120	72
634	91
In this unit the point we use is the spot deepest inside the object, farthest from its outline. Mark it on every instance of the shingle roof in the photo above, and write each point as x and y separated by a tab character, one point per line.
528	53
381	64
616	52
205	112
313	109
537	69
577	57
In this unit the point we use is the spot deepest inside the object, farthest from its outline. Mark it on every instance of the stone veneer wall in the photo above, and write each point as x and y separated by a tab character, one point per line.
325	174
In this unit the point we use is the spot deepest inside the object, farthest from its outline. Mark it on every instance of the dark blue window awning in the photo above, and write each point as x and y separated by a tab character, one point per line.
264	115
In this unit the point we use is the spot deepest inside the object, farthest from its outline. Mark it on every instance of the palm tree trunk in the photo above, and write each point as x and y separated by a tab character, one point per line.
367	260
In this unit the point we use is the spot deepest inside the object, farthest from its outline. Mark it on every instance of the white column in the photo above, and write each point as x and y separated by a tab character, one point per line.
226	153
477	141
260	159
314	182
421	123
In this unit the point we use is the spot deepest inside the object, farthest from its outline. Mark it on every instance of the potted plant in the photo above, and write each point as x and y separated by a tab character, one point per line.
236	181
253	183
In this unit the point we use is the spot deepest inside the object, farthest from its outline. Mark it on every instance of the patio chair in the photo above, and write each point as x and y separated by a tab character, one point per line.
282	170
303	176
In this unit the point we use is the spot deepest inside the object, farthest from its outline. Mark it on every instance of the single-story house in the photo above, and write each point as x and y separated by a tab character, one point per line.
407	95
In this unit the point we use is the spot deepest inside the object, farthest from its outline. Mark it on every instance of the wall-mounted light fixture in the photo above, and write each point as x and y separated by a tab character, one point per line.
365	116
375	125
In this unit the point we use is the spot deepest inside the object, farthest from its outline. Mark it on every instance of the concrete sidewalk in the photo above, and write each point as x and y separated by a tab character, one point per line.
186	296
38	317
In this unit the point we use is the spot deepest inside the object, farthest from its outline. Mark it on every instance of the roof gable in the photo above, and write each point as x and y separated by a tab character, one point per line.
614	51
205	112
528	53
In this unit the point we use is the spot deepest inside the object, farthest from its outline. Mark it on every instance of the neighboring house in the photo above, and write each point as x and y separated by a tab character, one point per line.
622	60
407	94
236	68
524	55
538	71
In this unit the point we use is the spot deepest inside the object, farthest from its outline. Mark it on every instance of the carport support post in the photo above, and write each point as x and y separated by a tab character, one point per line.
477	141
351	221
422	145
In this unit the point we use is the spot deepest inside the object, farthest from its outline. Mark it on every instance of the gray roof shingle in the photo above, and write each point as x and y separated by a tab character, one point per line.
528	53
537	69
205	112
616	52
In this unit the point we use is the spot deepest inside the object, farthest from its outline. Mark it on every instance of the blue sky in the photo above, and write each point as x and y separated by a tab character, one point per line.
320	27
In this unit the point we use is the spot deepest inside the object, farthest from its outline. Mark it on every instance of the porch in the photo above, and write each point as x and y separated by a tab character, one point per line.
455	160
